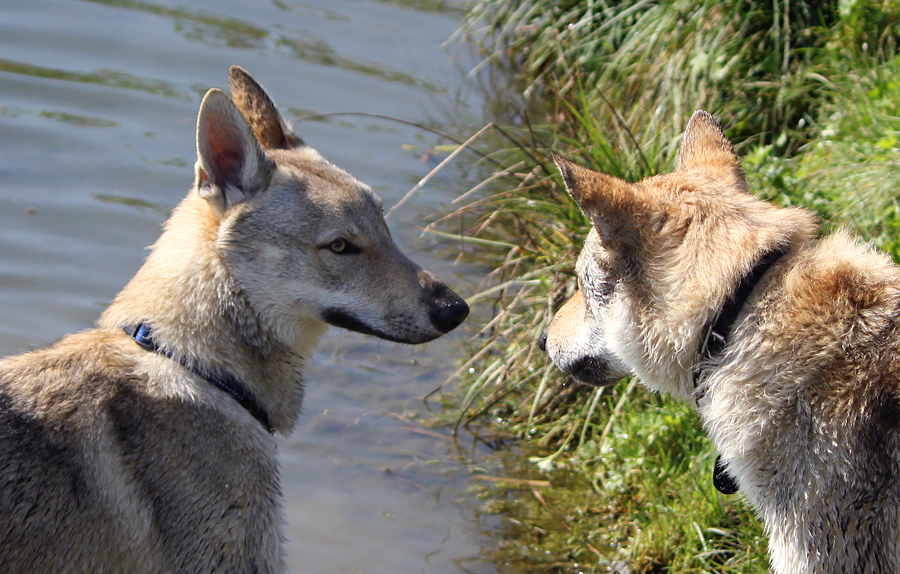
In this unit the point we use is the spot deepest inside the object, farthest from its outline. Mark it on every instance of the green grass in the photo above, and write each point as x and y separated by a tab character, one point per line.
650	64
811	97
849	173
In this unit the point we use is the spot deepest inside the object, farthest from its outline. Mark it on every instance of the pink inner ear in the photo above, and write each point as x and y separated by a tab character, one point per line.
226	154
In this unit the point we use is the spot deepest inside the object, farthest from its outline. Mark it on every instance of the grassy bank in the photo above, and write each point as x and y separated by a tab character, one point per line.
810	95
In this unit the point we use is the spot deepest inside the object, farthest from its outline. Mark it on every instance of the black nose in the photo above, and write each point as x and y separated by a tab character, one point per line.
449	312
542	342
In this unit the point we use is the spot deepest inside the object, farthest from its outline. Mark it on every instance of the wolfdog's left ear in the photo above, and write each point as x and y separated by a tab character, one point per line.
705	148
259	110
230	164
613	205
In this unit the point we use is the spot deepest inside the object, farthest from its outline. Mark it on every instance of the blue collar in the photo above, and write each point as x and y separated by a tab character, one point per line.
227	383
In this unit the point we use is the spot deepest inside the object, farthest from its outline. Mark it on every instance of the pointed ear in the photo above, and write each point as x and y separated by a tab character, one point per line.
615	207
230	164
259	110
705	148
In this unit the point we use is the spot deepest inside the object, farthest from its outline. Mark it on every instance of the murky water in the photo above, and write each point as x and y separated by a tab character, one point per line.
98	103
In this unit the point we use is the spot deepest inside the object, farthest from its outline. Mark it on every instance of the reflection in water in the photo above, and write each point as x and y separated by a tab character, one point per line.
214	30
79	120
163	210
199	25
320	53
100	78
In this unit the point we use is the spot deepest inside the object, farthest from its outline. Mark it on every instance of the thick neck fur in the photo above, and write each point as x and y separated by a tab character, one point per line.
198	312
803	408
672	334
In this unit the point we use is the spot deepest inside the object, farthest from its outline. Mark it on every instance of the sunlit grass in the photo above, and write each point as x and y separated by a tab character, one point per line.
849	174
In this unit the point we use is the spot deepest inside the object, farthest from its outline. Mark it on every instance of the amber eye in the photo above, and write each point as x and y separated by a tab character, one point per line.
338	245
341	246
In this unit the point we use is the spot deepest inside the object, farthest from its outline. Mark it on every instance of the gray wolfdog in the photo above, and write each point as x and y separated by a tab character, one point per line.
788	344
146	445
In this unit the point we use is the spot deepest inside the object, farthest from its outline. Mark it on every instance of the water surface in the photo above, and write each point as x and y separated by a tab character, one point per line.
98	104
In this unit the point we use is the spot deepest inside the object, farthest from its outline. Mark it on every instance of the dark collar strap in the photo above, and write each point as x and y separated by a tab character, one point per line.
230	385
718	333
717	337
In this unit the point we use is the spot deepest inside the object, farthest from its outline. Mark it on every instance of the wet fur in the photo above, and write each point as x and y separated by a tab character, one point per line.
804	403
118	459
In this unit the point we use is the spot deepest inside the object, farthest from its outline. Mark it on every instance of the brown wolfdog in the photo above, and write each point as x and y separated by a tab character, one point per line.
788	343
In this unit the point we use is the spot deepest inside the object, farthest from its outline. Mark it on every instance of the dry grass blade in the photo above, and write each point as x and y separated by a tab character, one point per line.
438	168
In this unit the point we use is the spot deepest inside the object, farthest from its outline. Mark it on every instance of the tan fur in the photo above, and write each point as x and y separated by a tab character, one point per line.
114	458
804	402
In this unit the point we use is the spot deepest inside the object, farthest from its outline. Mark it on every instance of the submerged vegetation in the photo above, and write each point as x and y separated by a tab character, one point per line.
810	94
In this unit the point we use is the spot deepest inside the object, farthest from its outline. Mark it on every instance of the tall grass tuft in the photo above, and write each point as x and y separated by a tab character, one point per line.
755	64
850	173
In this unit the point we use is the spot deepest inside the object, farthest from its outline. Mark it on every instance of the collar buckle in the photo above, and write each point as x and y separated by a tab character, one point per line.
141	336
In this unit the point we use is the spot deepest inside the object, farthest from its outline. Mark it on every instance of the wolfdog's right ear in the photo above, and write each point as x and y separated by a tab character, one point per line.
615	207
231	166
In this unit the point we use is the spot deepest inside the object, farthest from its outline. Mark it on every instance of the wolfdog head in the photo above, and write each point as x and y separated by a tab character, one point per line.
289	212
278	242
661	258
